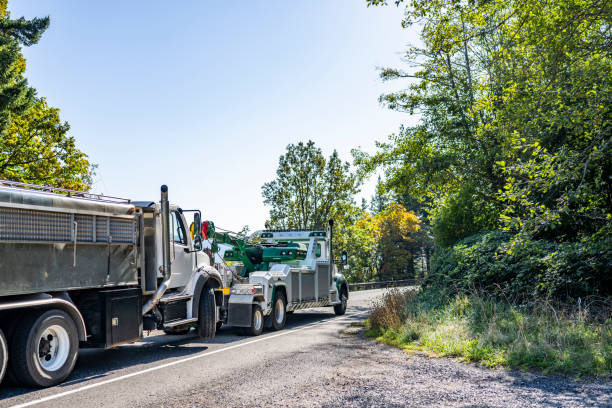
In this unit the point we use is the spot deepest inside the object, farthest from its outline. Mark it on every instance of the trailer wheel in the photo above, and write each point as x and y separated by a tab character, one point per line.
44	348
3	355
279	312
340	308
207	316
257	322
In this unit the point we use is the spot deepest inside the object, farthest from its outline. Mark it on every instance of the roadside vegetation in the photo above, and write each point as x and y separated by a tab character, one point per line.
574	340
510	170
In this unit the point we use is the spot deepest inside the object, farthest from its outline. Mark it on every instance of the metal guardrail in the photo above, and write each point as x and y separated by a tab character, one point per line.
384	284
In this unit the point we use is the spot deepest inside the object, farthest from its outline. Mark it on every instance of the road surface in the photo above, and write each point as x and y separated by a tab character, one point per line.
318	360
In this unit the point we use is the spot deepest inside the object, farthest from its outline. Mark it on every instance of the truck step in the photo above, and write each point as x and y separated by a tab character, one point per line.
172	299
179	323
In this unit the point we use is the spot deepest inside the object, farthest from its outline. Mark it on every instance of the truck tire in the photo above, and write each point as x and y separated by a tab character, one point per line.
44	348
257	322
340	308
3	355
207	315
279	311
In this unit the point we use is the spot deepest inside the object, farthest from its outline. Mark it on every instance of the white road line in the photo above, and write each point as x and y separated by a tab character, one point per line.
173	363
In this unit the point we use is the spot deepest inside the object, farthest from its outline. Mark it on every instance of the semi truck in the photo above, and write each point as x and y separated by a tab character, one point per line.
86	270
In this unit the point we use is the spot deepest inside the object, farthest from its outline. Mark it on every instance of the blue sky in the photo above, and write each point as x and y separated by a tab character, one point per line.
204	96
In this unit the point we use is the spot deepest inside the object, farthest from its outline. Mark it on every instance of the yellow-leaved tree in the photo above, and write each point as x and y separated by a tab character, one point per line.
396	247
381	246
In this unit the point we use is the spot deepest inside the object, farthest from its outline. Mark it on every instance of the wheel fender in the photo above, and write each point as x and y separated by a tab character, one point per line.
275	288
208	276
49	303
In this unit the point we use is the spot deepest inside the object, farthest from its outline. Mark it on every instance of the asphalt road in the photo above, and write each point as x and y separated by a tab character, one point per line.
163	368
319	360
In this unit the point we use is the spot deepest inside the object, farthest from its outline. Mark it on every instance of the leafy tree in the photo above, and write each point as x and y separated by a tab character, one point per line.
514	100
34	144
380	199
309	190
359	239
37	149
396	247
382	245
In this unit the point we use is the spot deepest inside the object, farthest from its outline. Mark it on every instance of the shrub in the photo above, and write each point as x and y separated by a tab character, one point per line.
388	311
524	269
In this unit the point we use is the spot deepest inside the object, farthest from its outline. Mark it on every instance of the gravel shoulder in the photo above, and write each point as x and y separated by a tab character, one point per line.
352	371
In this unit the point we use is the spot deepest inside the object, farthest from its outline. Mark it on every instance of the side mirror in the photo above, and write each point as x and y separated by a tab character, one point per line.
197	220
197	243
344	258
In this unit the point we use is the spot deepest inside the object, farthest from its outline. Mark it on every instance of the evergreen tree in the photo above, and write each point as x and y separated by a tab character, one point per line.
34	143
16	97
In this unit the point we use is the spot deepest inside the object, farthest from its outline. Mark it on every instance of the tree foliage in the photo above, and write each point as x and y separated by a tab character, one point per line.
381	246
395	227
514	100
309	190
34	142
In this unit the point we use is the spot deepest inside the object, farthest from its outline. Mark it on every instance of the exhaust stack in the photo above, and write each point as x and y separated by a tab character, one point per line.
166	268
331	252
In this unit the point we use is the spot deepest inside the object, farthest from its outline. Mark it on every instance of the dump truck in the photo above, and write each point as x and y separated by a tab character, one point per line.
87	270
278	272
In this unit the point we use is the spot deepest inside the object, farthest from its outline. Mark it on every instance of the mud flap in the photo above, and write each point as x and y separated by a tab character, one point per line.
240	310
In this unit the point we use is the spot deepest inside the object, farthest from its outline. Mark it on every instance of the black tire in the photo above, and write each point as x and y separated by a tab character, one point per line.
207	315
279	311
340	308
219	324
257	322
177	332
290	312
52	333
3	355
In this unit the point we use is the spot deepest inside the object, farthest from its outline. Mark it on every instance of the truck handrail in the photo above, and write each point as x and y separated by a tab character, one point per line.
64	192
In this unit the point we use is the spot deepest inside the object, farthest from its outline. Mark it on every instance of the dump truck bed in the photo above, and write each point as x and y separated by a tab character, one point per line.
38	234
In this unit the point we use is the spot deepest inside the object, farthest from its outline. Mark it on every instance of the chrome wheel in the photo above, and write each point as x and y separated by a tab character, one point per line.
258	320
53	347
279	311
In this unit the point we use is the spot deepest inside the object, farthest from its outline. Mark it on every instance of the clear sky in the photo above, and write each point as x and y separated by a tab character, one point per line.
204	96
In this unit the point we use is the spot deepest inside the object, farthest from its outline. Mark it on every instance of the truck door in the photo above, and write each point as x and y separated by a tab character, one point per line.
182	259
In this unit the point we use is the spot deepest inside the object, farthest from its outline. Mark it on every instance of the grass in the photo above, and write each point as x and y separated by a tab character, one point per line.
494	333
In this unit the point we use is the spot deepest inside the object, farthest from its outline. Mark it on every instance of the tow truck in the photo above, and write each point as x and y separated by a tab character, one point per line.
277	273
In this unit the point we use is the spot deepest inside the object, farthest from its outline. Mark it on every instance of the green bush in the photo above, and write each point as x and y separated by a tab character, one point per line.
524	270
